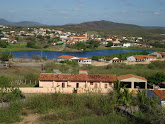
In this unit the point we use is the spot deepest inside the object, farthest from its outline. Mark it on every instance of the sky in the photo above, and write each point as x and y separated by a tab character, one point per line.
60	12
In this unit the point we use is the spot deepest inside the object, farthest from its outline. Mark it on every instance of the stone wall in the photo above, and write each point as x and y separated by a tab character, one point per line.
64	90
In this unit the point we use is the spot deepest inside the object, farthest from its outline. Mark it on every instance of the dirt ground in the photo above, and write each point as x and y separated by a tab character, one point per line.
30	119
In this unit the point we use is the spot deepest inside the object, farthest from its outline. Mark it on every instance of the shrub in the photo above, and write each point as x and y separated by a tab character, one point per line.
4	81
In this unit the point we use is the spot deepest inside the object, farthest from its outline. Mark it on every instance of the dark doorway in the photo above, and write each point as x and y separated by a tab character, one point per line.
77	85
63	85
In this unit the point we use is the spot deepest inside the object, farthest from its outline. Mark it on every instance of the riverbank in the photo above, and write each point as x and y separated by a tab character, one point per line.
136	48
22	47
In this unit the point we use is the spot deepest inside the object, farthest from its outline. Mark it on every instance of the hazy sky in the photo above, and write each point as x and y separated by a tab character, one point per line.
59	12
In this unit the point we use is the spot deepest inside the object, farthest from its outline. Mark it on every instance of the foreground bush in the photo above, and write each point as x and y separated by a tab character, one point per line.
11	114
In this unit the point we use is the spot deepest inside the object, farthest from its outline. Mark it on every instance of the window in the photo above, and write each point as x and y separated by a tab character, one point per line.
63	85
77	85
105	86
91	83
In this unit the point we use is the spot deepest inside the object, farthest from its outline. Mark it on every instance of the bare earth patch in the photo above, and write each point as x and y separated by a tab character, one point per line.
30	119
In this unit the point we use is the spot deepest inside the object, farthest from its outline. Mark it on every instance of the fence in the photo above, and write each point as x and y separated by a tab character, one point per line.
19	82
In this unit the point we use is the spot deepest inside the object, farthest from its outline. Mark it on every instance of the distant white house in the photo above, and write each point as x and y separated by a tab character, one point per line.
140	58
80	60
126	44
158	54
110	60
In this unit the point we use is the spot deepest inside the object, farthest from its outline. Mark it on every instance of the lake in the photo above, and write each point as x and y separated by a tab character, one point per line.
55	55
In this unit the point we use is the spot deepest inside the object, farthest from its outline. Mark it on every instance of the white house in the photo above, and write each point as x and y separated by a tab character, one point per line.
110	60
139	58
80	60
126	44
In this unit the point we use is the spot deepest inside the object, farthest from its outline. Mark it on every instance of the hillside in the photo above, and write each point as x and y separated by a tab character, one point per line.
21	23
108	24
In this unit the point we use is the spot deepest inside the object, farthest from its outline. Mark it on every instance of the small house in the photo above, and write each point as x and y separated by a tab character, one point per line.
158	54
140	58
110	60
80	60
133	81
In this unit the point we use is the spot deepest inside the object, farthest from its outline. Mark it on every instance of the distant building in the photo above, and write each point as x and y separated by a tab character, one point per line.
158	54
80	60
80	83
140	58
133	81
111	60
126	44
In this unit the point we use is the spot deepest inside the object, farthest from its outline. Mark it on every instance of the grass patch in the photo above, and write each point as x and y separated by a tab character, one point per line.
11	114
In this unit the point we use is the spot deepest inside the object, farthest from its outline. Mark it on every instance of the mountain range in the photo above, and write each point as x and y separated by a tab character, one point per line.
21	23
108	24
92	24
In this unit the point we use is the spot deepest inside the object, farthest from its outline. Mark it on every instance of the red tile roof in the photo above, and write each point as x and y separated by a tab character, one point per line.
122	77
65	57
77	77
162	53
72	57
143	56
160	94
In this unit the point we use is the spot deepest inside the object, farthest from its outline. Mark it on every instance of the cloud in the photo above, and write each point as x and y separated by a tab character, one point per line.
157	13
11	11
75	9
127	3
160	2
80	4
123	12
63	12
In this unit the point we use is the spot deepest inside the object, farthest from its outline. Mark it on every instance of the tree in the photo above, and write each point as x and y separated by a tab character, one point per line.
157	78
4	81
109	44
3	44
31	44
6	56
92	44
144	52
95	58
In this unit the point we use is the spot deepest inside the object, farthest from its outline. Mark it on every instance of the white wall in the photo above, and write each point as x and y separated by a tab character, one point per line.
131	59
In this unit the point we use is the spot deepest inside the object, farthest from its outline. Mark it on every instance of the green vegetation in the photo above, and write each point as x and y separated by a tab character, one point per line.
86	108
5	56
12	113
157	78
3	44
109	44
4	81
90	44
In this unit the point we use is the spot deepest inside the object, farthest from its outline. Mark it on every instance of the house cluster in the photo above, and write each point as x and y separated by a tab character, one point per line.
135	58
80	60
70	37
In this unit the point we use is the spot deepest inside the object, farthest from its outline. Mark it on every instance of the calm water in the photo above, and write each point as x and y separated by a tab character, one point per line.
54	55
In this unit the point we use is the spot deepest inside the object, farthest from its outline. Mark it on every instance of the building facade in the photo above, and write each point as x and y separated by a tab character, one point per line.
81	83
